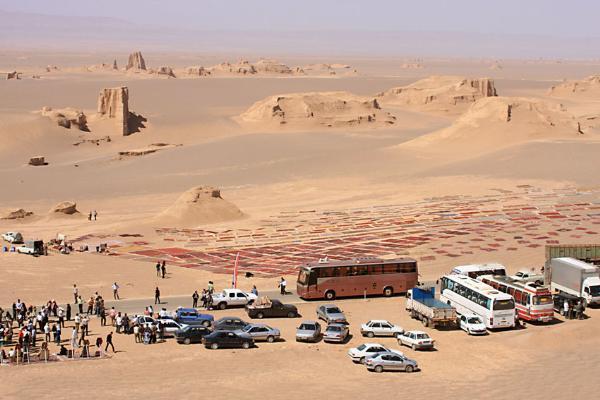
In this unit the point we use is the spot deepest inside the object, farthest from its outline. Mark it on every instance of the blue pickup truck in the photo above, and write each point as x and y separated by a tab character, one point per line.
191	316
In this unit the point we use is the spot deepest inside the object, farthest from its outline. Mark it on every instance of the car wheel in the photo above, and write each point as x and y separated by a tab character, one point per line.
260	315
214	346
414	347
270	339
425	321
379	369
397	336
222	306
187	340
362	360
291	314
388	291
330	295
410	368
245	345
370	334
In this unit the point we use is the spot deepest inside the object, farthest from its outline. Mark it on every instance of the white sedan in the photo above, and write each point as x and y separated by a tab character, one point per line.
12	237
378	327
365	350
416	340
472	324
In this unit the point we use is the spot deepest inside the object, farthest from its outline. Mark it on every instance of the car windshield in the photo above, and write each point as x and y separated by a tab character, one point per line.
334	328
541	300
361	347
422	336
307	327
474	320
334	310
303	276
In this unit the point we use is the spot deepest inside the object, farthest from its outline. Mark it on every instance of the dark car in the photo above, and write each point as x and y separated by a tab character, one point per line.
272	308
228	339
192	316
229	324
191	334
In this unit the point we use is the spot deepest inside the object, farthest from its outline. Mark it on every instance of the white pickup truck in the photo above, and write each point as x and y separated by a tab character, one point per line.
232	298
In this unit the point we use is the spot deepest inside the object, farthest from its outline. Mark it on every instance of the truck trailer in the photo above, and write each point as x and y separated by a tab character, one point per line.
422	305
574	277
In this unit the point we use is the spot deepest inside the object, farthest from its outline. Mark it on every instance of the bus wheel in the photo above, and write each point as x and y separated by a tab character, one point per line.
330	295
388	291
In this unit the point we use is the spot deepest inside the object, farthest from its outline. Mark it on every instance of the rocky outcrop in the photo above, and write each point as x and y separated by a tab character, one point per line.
197	71
67	117
65	208
166	71
12	75
331	109
115	66
199	205
38	161
113	103
587	87
17	213
243	67
272	67
442	93
136	62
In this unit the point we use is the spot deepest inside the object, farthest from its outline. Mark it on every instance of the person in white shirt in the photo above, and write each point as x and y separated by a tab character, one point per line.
566	309
115	289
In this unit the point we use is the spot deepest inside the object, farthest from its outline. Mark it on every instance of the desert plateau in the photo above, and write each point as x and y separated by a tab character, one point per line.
168	168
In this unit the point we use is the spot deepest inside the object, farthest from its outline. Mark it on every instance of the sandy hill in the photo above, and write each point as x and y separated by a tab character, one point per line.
588	89
199	205
448	94
331	109
496	122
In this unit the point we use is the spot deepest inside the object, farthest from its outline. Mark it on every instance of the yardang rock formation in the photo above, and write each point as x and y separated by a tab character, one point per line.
113	103
136	61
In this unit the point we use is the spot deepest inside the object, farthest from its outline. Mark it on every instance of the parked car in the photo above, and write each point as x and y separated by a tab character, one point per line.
265	307
229	324
308	331
191	334
416	340
144	320
170	327
388	361
330	313
379	327
228	339
262	332
337	333
232	298
360	353
13	237
191	315
472	324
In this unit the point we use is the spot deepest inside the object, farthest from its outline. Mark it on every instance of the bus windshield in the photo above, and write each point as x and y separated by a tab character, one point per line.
542	300
504	304
303	276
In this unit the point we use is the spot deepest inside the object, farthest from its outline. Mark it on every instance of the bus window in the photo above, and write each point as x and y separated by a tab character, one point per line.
303	276
336	271
504	304
376	269
312	277
518	295
390	269
362	270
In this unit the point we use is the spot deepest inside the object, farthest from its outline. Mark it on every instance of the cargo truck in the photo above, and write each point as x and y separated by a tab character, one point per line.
422	305
574	277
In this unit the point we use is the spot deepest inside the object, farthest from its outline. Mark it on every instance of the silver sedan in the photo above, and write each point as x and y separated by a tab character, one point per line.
262	332
389	361
336	333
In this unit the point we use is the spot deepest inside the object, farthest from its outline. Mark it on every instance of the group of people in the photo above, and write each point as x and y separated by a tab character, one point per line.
573	311
161	269
92	215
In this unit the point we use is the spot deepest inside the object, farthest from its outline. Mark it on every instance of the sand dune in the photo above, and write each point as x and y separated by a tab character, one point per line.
495	122
446	94
331	109
199	205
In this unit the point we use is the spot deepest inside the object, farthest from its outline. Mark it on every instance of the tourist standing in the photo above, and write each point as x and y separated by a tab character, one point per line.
115	289
254	290
157	296
566	309
109	342
158	269
75	293
68	312
282	285
80	304
163	269
195	298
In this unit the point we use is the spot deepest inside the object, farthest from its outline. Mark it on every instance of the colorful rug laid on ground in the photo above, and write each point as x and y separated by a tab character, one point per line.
428	229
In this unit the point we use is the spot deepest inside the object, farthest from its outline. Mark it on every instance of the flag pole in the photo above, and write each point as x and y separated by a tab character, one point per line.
235	270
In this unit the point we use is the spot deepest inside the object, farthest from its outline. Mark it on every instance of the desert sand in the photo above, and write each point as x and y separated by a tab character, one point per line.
264	157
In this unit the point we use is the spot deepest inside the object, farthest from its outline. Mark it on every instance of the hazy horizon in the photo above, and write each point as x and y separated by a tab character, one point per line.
461	28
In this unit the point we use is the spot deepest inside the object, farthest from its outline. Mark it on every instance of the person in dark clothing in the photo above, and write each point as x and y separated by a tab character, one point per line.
158	268
195	298
157	296
68	312
102	317
163	269
109	342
